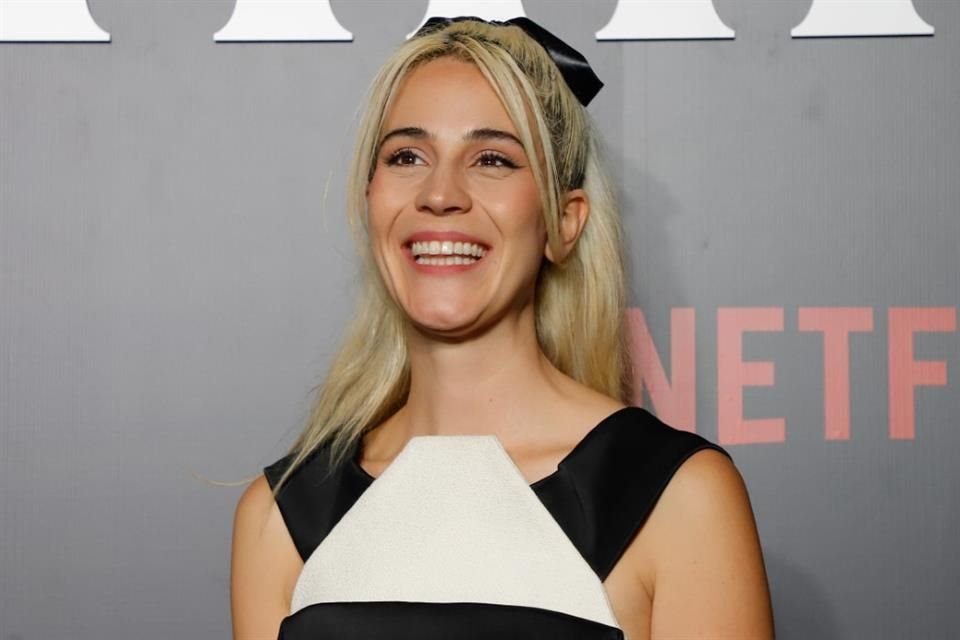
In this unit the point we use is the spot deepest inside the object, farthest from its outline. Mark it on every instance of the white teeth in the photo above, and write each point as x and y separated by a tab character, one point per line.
445	261
429	252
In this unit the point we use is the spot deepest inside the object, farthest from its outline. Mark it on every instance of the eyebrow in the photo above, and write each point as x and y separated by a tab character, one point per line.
492	134
484	133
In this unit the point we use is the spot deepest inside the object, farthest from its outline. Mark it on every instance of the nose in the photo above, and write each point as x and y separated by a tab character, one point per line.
443	192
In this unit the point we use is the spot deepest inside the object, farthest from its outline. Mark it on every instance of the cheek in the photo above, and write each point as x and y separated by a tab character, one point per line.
522	217
383	204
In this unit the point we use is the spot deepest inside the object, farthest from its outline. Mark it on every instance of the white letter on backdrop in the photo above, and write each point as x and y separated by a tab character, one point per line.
486	9
839	18
665	20
270	20
48	21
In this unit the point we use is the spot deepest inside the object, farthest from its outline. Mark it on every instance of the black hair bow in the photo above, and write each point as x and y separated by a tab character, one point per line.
574	68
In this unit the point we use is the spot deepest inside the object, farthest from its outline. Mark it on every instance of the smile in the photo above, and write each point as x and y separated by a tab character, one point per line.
446	252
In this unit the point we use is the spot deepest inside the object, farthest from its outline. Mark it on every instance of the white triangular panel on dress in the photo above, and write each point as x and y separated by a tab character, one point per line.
452	519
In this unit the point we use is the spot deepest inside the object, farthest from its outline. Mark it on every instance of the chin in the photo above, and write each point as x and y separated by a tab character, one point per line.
444	322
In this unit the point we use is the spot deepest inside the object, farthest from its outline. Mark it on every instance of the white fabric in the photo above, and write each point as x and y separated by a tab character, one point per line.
452	519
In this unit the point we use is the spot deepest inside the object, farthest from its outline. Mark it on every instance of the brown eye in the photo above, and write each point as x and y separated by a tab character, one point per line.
490	159
402	158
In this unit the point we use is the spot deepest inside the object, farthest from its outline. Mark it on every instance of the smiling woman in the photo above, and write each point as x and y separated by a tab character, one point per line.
470	468
461	174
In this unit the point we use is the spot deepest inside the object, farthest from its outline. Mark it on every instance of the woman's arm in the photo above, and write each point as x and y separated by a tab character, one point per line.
710	580
264	565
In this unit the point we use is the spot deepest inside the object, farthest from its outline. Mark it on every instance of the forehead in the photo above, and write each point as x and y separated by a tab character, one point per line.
447	94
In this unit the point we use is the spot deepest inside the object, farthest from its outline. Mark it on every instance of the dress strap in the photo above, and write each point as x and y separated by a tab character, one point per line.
314	497
604	492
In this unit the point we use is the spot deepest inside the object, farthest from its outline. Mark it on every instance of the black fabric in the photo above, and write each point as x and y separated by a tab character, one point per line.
600	494
574	68
604	490
438	621
314	498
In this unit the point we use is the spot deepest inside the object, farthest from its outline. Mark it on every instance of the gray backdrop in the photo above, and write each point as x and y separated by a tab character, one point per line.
176	271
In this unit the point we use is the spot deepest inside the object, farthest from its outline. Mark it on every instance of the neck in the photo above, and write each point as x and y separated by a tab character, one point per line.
499	383
496	383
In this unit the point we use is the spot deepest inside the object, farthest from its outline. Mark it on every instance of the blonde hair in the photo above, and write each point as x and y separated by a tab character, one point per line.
580	302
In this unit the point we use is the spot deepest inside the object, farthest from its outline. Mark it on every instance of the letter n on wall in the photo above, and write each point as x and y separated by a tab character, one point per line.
675	402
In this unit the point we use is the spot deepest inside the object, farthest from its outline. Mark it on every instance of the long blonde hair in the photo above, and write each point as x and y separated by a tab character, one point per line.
579	302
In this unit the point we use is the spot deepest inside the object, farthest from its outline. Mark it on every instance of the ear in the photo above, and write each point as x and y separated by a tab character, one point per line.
573	217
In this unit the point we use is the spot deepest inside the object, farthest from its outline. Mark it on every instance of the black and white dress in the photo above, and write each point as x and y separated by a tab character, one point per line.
451	542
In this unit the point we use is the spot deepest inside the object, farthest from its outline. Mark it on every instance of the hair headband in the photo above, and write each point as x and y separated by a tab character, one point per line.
574	68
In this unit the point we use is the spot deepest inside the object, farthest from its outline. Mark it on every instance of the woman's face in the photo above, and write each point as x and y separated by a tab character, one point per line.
454	211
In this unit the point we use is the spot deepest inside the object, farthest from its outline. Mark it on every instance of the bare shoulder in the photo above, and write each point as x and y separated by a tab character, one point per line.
256	502
264	564
709	575
257	519
708	482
